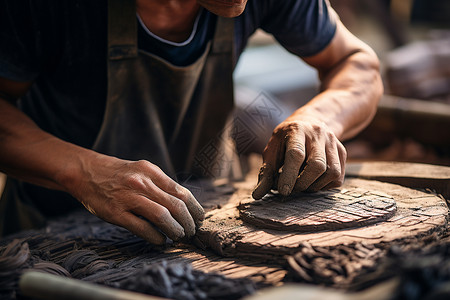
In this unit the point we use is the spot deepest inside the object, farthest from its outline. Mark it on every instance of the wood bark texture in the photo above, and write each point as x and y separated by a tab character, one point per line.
418	213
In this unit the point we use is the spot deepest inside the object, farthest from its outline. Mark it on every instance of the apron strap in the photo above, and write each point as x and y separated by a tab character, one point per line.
223	41
122	29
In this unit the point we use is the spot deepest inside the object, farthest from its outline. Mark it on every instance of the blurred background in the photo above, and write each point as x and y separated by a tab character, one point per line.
412	40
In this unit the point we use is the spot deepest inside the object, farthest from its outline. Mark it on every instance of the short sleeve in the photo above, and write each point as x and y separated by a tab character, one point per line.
303	27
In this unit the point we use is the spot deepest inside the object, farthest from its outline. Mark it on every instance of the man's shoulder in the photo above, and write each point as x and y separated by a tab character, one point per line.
269	12
304	27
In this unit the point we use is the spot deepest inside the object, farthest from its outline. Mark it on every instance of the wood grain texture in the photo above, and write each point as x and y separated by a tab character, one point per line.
82	246
418	214
245	250
412	175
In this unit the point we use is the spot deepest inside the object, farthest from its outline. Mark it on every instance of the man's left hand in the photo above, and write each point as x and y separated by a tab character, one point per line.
307	152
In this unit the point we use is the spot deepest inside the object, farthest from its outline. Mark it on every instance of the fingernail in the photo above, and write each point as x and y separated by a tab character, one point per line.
285	190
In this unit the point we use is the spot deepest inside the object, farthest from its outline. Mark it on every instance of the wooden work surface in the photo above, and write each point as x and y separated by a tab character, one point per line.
232	233
413	175
80	231
366	211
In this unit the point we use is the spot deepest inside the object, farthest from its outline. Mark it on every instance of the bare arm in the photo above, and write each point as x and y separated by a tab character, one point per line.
307	145
351	84
118	191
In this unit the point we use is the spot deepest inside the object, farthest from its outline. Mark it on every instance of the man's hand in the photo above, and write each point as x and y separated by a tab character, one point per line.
134	195
309	154
307	145
139	197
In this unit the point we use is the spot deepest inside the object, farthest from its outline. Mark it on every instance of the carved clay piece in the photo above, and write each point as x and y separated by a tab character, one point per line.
329	210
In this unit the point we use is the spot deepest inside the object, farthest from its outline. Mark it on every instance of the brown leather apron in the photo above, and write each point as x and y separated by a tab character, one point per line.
160	112
171	116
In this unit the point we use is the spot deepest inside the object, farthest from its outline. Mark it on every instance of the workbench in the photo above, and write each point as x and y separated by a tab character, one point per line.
244	254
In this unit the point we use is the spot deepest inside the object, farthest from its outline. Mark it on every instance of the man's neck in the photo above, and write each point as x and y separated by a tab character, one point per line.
172	20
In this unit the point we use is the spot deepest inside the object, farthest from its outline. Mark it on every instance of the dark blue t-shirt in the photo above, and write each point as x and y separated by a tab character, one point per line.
61	46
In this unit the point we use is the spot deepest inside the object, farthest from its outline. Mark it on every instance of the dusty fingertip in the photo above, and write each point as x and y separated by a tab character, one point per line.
262	188
258	193
178	236
255	192
255	195
189	231
198	224
201	214
199	217
175	231
285	190
195	208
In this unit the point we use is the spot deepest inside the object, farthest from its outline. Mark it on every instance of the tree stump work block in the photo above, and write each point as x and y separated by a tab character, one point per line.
360	211
413	175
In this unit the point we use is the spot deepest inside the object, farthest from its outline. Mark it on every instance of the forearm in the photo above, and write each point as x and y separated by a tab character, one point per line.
116	190
349	96
307	146
351	86
30	154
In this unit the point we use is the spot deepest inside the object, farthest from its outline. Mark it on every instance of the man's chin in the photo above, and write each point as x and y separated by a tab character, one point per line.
225	9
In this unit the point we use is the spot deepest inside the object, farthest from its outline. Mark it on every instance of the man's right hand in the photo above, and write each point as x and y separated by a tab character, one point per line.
134	195
140	197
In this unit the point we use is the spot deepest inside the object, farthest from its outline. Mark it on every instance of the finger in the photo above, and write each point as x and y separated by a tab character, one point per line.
142	228
316	165
333	172
265	181
177	208
171	187
271	161
293	159
343	159
159	216
195	209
